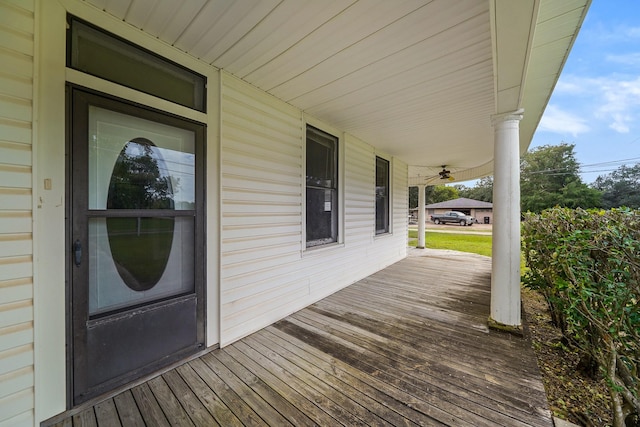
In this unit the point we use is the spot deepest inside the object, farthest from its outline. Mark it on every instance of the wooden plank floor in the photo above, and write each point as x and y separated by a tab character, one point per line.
406	346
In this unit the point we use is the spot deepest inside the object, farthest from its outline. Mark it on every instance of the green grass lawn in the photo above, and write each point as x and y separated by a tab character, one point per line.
141	249
480	245
458	242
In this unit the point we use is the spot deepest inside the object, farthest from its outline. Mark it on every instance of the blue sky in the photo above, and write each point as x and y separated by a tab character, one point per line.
596	103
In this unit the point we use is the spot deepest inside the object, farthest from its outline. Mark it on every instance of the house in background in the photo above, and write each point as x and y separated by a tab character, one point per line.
177	175
481	211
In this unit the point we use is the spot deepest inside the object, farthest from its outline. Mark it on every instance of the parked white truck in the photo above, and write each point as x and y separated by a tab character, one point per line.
453	216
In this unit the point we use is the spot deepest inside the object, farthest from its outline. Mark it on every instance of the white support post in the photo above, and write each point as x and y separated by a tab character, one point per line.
505	276
421	216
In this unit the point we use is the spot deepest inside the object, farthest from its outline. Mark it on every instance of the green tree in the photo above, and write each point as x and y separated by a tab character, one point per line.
442	193
586	265
413	197
136	181
483	190
620	188
433	194
549	176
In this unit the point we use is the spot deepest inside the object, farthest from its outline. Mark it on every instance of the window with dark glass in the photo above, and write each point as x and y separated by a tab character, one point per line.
321	188
96	52
382	196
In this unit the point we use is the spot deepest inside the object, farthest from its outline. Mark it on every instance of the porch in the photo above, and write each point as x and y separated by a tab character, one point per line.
408	345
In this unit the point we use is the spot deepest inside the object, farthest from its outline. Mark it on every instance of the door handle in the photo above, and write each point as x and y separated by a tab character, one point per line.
77	252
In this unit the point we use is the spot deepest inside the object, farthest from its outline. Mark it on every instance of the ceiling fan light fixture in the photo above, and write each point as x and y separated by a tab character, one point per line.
445	174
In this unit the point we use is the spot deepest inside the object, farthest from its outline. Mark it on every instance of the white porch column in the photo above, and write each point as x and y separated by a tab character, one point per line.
421	216
505	275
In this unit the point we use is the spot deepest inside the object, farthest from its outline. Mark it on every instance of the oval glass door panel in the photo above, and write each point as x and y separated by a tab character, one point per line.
141	188
140	247
140	178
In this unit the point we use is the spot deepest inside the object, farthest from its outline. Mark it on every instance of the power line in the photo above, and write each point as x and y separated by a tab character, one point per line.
559	173
564	171
612	162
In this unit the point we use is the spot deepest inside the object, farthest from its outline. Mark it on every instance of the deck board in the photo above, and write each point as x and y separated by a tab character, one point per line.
377	396
128	410
188	399
246	392
107	414
85	418
149	408
238	406
208	397
311	402
170	404
341	405
408	346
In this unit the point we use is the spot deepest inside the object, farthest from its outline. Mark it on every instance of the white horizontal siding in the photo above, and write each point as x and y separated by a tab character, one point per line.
399	211
400	195
16	254
359	191
17	407
261	203
265	272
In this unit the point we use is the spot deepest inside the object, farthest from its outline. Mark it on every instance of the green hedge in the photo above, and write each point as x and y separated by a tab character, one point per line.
587	265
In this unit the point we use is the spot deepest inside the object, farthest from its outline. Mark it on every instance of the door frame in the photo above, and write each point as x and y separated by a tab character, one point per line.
200	129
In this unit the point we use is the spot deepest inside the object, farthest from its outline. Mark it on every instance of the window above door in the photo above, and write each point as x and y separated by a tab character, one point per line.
105	55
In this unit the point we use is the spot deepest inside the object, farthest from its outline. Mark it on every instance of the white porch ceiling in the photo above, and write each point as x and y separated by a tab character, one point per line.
417	79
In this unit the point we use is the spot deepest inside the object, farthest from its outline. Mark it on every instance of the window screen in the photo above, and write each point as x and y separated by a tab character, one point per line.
322	188
382	196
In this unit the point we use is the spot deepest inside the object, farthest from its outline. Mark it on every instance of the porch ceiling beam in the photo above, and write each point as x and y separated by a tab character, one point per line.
512	30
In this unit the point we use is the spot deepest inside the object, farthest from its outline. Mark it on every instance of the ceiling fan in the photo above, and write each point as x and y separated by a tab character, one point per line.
445	174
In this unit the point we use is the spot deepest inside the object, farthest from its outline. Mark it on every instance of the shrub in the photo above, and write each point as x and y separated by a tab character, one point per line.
587	265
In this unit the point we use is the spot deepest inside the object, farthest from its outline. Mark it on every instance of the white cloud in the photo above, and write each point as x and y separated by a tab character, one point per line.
614	100
621	103
563	122
633	32
628	59
569	87
606	34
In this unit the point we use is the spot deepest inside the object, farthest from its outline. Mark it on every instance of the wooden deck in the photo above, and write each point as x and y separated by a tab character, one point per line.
406	346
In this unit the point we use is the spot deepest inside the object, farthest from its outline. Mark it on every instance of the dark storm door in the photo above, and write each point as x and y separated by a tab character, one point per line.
136	240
